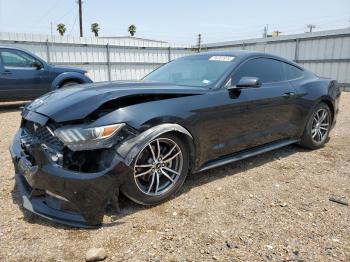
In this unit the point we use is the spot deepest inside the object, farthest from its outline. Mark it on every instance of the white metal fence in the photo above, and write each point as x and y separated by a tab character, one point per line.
326	53
106	59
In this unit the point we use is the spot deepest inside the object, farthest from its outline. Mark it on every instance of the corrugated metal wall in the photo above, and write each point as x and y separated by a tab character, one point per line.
326	53
106	59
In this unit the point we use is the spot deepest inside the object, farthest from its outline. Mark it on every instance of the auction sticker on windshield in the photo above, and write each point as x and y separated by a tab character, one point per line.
222	58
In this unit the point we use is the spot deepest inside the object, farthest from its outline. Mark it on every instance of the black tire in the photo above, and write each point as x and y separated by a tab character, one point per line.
69	83
131	189
307	139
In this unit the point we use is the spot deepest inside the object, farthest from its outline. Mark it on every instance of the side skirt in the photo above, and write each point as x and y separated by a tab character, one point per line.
246	153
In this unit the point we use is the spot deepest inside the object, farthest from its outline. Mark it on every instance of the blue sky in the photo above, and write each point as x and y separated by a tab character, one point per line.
176	21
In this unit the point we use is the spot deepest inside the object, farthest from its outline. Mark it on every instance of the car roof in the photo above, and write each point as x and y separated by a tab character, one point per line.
23	50
14	48
235	53
245	54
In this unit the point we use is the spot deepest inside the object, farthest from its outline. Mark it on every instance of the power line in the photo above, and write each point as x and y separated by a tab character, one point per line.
65	15
48	11
249	33
285	27
75	21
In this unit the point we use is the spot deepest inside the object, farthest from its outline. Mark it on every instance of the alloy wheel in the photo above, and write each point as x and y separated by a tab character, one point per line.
158	166
320	125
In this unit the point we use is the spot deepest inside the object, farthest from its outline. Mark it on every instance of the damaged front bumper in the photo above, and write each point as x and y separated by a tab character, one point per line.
68	197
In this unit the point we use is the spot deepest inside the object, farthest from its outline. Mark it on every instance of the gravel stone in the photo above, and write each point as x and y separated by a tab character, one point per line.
95	254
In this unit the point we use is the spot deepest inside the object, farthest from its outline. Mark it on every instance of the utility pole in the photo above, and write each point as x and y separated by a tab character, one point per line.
199	44
310	27
266	31
0	14
81	18
276	33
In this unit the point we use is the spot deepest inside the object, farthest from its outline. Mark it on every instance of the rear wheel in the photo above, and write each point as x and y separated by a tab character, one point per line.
160	169
318	127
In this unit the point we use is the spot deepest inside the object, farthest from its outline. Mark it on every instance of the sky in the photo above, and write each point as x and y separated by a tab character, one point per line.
177	21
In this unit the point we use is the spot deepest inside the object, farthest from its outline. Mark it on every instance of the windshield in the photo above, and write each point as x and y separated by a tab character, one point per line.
199	71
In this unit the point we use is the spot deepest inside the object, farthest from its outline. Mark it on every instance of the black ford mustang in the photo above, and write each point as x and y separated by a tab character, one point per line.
77	147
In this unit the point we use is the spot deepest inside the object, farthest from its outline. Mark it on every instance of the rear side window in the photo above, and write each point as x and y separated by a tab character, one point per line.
267	70
292	72
14	58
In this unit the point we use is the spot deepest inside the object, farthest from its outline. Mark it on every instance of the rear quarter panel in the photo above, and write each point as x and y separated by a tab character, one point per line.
313	90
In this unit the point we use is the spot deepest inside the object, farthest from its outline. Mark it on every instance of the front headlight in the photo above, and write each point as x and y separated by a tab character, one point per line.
80	138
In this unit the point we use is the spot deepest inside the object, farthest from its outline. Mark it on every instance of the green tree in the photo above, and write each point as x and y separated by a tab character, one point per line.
61	28
132	30
95	28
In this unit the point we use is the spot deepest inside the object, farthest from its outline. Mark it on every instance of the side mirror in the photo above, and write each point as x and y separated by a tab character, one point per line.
37	65
247	82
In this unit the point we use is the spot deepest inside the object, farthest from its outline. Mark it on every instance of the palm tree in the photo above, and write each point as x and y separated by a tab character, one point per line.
61	28
132	30
95	28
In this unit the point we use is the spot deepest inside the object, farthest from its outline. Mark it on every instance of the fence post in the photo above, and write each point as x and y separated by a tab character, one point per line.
169	54
109	63
296	54
48	51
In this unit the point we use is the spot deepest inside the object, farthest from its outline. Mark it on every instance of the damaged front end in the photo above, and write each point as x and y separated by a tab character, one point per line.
65	175
75	146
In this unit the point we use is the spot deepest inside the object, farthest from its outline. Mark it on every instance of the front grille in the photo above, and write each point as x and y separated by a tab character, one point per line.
43	134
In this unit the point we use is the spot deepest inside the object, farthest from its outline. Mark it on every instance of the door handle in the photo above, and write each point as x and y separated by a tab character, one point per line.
288	94
6	73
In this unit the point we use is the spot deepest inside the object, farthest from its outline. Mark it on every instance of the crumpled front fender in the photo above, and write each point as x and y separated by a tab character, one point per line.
130	148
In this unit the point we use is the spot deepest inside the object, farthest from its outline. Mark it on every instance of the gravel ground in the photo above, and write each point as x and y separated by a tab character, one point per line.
271	207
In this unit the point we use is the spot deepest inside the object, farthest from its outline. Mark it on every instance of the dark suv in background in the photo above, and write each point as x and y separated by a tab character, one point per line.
24	76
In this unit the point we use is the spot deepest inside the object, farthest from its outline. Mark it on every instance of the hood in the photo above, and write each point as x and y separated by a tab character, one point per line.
77	102
62	69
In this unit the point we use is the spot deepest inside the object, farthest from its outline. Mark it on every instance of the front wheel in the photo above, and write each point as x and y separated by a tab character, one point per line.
69	83
317	128
160	169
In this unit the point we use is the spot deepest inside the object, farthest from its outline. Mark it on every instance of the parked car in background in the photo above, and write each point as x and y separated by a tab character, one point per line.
24	76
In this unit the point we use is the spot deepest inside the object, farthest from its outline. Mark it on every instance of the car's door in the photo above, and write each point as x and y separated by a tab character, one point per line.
3	93
20	78
258	115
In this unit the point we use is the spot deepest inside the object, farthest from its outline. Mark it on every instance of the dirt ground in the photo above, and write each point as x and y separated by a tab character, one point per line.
271	207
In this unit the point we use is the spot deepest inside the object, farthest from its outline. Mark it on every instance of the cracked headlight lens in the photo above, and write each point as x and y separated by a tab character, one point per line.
80	138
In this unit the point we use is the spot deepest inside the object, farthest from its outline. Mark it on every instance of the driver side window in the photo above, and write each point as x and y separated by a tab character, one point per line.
266	69
16	59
